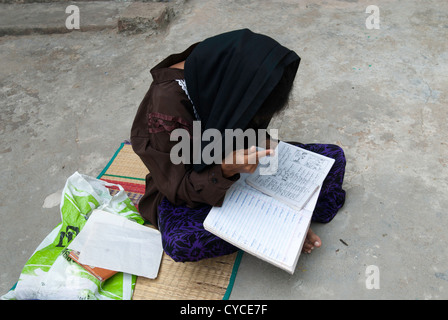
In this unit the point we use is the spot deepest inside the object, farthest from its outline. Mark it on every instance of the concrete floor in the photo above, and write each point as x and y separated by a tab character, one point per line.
68	101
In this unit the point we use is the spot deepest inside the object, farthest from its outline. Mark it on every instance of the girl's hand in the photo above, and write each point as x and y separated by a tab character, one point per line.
243	161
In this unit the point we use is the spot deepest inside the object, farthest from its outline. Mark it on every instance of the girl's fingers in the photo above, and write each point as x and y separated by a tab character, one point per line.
254	156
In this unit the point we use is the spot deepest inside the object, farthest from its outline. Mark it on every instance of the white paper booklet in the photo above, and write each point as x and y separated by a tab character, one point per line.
116	243
264	225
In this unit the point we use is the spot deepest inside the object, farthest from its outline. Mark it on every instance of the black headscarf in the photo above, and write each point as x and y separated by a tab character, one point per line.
230	75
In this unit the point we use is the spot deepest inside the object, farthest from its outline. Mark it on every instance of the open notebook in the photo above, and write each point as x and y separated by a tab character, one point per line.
268	215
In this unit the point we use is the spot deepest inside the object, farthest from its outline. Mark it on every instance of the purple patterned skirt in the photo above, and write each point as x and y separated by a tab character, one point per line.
185	239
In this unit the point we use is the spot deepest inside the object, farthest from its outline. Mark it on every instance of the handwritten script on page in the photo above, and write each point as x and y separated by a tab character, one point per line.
260	225
298	175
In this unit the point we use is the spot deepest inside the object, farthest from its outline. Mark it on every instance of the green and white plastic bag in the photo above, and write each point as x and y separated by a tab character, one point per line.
48	274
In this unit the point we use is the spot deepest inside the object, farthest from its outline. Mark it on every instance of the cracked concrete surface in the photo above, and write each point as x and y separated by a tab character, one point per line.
68	101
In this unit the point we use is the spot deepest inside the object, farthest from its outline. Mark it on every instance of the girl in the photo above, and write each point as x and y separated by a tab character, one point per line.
238	79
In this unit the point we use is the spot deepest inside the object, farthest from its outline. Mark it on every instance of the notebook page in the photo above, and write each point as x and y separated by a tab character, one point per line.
260	225
297	176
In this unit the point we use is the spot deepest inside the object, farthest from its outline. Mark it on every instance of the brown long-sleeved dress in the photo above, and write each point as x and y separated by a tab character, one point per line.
165	107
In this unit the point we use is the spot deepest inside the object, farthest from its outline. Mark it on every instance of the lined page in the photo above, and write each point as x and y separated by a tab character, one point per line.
259	224
298	174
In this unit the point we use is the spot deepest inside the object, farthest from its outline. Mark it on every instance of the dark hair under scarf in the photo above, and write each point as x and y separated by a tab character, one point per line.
231	75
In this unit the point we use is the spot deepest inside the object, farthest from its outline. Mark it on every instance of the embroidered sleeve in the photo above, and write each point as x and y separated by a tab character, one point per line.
158	122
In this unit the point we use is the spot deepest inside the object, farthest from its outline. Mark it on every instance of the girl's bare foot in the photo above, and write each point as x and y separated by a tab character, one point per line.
312	241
